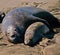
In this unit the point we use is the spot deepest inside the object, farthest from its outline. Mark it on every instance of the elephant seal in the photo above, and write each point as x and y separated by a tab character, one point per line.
17	20
35	32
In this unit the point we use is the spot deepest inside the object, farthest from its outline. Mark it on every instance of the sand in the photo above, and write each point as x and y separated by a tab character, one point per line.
7	48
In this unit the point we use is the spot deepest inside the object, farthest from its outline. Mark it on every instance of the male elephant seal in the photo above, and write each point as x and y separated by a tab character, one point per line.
17	20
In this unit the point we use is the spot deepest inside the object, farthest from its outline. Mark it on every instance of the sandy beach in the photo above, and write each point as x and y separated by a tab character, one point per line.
7	48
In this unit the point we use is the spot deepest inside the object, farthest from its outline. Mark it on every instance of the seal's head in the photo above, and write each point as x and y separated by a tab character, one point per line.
14	34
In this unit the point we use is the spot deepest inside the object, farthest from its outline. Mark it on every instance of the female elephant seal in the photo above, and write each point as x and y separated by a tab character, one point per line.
35	32
17	20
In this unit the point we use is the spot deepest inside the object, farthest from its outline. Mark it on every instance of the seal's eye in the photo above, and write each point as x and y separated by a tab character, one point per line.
8	34
15	29
18	30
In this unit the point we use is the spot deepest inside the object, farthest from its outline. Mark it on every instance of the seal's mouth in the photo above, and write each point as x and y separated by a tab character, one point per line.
12	39
15	39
